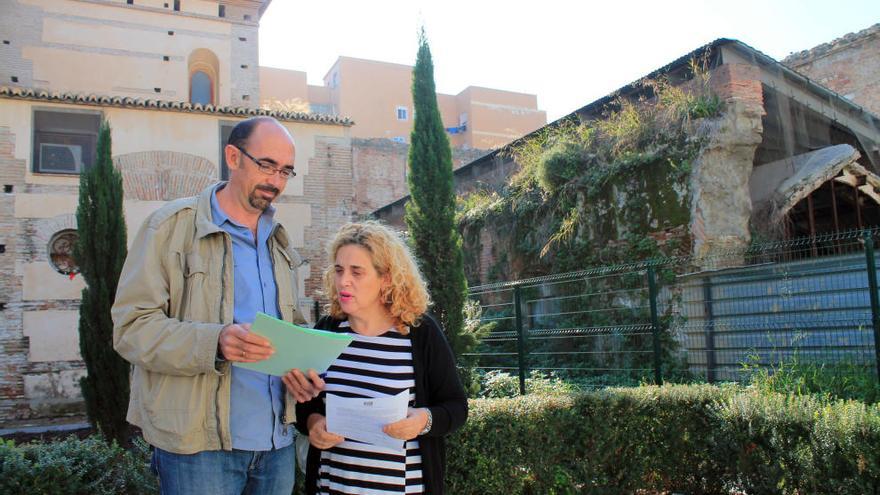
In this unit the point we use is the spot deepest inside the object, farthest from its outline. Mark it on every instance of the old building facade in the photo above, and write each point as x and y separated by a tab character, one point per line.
171	78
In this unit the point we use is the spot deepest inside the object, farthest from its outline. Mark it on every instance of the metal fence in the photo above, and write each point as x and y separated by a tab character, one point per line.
811	301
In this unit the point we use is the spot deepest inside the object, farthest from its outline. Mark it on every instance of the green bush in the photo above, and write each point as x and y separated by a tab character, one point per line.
687	439
690	439
497	384
73	466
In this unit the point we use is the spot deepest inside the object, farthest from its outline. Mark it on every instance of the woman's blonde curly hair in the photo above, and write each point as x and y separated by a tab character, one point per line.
407	299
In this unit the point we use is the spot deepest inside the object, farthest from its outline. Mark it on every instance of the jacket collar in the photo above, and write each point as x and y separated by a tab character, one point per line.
205	223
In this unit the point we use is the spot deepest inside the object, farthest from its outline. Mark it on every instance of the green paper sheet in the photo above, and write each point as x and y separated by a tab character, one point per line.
295	347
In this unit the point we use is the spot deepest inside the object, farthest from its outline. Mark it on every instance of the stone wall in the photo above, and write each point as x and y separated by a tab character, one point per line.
720	200
849	66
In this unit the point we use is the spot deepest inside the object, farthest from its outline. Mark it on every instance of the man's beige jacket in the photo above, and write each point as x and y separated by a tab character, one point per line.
175	295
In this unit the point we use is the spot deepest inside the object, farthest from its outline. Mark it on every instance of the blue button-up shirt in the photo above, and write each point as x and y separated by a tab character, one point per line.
257	402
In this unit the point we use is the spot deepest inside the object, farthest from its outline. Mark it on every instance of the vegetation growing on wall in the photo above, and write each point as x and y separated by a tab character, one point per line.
590	193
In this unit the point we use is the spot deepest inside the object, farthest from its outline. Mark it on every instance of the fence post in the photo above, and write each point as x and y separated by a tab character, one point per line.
655	323
710	330
875	303
520	339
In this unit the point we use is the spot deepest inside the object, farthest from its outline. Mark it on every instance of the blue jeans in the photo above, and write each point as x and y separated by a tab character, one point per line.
220	472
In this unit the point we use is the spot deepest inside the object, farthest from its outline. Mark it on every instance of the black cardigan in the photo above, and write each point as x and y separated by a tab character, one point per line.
437	387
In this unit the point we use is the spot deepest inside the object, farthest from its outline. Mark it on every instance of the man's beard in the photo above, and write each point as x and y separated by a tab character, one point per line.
259	202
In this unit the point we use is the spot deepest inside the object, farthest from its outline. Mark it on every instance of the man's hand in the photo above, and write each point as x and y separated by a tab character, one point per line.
237	343
409	427
302	387
319	437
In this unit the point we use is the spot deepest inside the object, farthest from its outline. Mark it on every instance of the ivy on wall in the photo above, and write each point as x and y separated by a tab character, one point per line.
610	190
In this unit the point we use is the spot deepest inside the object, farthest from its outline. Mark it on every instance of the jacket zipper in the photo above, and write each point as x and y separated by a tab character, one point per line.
222	302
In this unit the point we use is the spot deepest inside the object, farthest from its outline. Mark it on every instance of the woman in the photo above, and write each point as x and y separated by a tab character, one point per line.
377	295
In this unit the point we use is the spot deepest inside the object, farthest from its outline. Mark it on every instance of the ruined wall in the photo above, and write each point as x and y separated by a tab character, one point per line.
849	66
720	200
380	171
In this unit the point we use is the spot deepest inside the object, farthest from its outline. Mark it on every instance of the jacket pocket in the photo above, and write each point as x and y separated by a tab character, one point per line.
177	405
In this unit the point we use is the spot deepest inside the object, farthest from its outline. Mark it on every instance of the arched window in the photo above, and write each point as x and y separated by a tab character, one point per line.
201	88
204	71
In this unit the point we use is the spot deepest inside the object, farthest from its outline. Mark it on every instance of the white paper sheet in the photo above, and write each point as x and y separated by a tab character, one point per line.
363	419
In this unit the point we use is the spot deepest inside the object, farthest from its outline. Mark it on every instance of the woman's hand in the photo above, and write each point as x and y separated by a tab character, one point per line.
409	427
319	437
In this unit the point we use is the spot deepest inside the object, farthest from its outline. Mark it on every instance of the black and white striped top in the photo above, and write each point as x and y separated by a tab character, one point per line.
371	367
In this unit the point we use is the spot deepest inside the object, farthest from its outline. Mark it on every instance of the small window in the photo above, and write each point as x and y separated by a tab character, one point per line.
402	113
177	5
399	139
64	142
221	11
130	2
201	89
61	252
334	80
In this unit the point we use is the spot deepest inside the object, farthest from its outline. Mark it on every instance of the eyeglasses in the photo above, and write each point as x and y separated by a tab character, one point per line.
285	172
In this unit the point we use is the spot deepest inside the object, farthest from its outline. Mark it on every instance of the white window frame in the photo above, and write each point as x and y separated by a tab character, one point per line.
405	110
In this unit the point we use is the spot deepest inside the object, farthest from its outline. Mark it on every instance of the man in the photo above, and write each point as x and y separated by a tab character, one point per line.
197	273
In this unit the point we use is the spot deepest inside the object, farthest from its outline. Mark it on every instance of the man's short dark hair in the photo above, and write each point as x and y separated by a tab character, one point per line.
243	130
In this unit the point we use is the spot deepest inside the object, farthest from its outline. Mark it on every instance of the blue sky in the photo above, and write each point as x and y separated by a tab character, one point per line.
569	53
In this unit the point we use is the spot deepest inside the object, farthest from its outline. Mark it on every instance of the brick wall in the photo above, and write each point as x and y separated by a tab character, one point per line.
379	171
13	344
740	83
28	388
245	81
21	25
849	66
329	189
164	175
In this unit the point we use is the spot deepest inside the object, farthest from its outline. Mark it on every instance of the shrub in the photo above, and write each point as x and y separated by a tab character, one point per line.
73	466
690	439
497	384
796	376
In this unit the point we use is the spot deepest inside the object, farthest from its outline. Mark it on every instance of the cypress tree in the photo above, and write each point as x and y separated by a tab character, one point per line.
430	213
100	253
